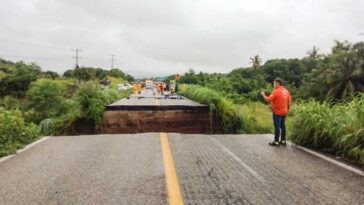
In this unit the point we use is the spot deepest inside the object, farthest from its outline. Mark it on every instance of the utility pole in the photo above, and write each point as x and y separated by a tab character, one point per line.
77	56
77	67
112	60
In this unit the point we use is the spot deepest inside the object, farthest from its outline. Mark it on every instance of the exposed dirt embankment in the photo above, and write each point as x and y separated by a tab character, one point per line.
136	121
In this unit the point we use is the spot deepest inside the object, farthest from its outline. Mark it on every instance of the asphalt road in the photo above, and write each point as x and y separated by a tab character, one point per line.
210	169
146	98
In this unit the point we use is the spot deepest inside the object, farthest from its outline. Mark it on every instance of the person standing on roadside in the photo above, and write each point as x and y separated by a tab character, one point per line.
162	88
280	100
184	88
159	88
135	88
176	88
155	89
139	87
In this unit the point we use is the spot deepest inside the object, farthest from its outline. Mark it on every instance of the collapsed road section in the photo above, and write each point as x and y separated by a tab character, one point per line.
146	113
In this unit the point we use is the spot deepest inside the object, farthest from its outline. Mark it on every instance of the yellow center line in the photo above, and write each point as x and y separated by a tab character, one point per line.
173	190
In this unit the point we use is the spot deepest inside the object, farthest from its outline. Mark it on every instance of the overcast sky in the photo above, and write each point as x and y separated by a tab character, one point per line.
162	37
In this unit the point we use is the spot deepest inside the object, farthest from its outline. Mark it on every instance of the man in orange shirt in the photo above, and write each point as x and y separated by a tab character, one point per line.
280	99
161	87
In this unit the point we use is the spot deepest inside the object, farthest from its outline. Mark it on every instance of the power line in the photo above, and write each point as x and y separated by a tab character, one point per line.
77	56
34	57
33	45
112	60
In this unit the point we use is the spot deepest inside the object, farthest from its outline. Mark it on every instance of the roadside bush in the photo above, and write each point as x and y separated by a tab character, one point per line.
92	102
337	128
45	99
352	143
63	124
71	88
113	94
83	112
14	132
115	81
224	110
11	103
17	79
257	117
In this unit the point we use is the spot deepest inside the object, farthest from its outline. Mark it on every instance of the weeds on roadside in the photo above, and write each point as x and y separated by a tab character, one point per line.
224	111
14	132
334	128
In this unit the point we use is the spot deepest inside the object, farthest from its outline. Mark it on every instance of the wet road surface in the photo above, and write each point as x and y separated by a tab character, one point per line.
209	169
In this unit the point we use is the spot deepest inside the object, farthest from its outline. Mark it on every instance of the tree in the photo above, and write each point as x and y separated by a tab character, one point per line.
277	68
17	79
341	46
190	77
314	53
90	73
100	73
346	74
14	132
116	73
50	74
256	61
68	74
45	98
85	73
92	101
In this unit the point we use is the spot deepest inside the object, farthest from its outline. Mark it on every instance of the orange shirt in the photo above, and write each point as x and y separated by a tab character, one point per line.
280	100
139	87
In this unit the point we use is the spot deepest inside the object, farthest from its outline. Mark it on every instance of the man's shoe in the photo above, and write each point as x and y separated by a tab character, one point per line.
274	143
283	142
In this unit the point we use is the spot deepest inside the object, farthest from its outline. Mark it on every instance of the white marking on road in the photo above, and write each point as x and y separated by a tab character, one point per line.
238	160
337	163
328	159
3	159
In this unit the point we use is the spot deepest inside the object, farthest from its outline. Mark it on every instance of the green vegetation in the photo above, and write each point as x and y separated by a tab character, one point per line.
335	128
44	99
11	103
327	91
17	77
35	103
222	109
327	113
257	117
232	118
89	73
87	105
336	76
14	132
92	100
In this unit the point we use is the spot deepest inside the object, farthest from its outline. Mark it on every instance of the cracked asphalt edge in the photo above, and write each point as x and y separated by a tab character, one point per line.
323	157
3	159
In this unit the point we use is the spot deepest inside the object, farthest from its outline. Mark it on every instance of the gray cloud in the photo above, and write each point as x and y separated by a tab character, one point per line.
164	37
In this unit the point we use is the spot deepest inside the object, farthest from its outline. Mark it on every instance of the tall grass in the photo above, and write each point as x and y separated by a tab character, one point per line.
62	125
15	132
88	104
257	117
249	118
328	127
334	128
224	111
